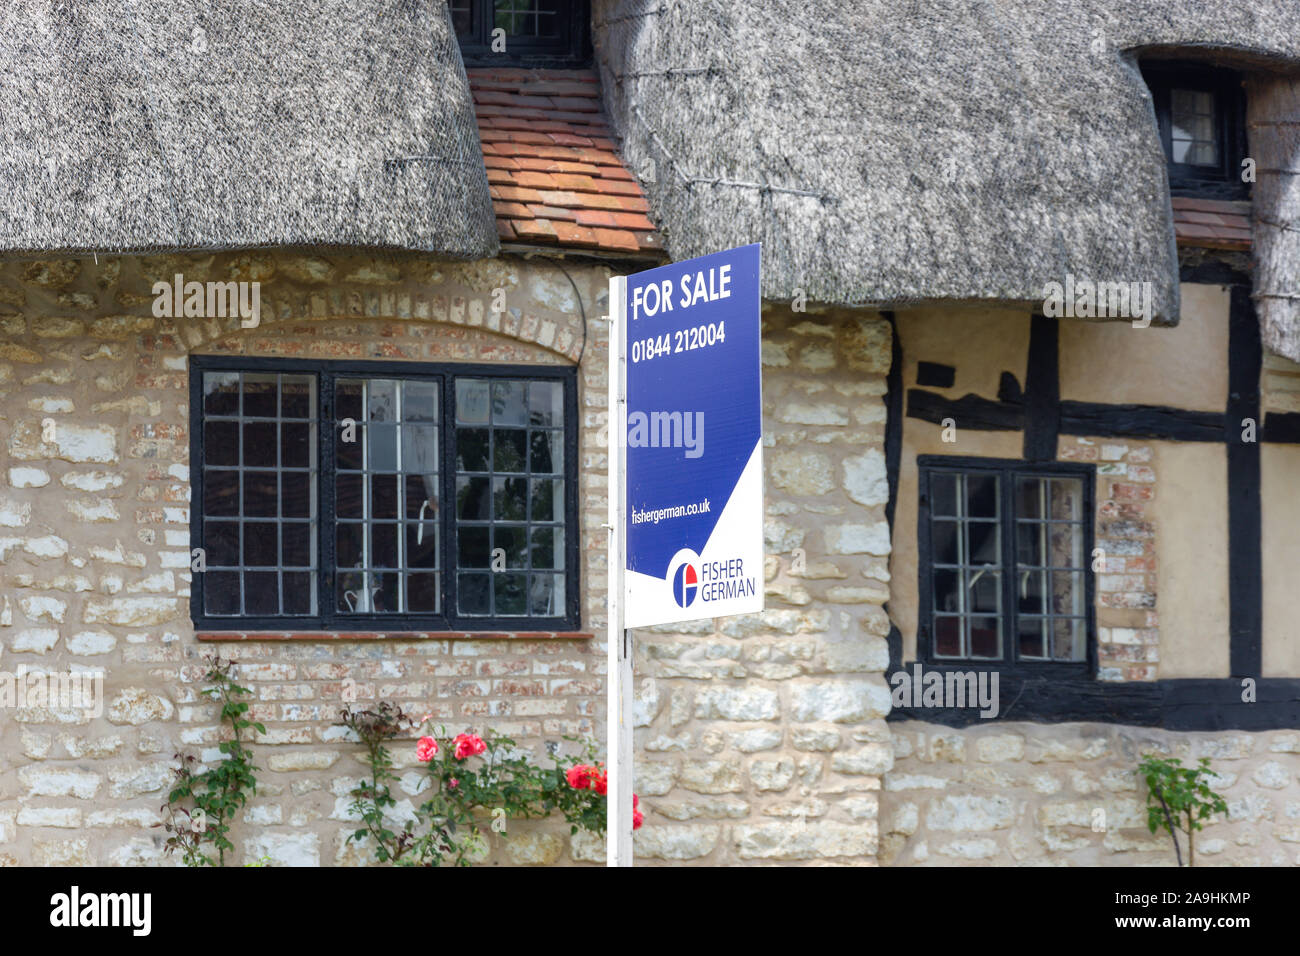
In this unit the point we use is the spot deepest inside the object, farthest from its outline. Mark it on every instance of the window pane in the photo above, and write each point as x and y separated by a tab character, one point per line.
261	395
1064	545
474	594
981	496
420	401
510	594
299	589
422	594
947	591
1029	542
547	548
220	393
422	544
946	541
537	19
509	447
1067	639
1067	499
389	483
511	545
985	637
472	402
1031	591
546	404
1032	644
221	543
220	443
546	453
984	592
943	493
1067	593
256	423
508	450
298	396
984	544
1193	129
546	595
221	592
1031	498
947	636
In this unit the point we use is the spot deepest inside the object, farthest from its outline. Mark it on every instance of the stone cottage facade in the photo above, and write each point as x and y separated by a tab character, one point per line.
769	739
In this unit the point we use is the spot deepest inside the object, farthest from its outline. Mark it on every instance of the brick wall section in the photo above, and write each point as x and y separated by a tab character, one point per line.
1128	624
1065	794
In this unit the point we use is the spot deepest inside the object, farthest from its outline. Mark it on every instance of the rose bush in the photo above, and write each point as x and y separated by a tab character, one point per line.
472	779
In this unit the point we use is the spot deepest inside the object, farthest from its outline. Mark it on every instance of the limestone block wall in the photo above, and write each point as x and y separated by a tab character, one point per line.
761	739
94	548
1015	793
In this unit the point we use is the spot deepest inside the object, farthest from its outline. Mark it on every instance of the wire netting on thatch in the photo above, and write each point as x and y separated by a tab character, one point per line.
1273	124
142	124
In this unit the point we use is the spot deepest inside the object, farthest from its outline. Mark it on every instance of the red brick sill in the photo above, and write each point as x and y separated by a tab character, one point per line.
393	636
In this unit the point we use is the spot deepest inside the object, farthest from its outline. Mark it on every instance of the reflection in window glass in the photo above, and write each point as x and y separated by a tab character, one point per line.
386	497
1043	607
510	496
259	494
1193	134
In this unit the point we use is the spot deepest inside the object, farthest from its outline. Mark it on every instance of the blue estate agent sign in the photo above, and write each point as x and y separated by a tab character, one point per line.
694	469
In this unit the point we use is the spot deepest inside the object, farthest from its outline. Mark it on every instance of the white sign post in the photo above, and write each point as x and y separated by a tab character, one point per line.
685	470
619	709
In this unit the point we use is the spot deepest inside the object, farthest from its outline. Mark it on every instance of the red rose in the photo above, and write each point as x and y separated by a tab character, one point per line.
637	819
600	783
469	745
452	783
580	776
426	749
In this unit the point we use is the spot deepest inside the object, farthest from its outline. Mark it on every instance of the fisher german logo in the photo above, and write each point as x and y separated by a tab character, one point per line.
686	585
710	581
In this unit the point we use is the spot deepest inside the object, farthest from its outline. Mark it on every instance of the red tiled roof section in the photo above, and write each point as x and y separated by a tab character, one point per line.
553	170
1211	223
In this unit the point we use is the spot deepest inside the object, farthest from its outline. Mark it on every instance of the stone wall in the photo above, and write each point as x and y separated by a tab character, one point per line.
94	548
1066	794
759	739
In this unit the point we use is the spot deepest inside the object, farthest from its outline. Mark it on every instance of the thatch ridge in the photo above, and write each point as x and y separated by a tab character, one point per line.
143	125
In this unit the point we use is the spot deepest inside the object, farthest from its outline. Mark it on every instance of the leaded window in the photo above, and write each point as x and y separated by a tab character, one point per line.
1005	556
398	497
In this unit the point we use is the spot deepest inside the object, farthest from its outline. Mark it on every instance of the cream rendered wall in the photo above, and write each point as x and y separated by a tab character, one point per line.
1191	513
1280	467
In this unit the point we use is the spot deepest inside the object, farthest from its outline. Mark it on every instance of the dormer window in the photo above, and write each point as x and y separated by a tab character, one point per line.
1200	113
547	33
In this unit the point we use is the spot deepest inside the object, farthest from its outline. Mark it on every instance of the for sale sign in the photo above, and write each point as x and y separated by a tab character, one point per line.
694	440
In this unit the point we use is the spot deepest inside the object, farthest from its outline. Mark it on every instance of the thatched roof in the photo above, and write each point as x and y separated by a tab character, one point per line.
1273	116
890	152
146	124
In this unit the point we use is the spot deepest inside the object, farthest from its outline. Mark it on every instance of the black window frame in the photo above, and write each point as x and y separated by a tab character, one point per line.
1185	179
572	49
328	619
1007	469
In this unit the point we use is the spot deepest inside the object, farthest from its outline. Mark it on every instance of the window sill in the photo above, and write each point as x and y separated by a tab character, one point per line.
393	635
